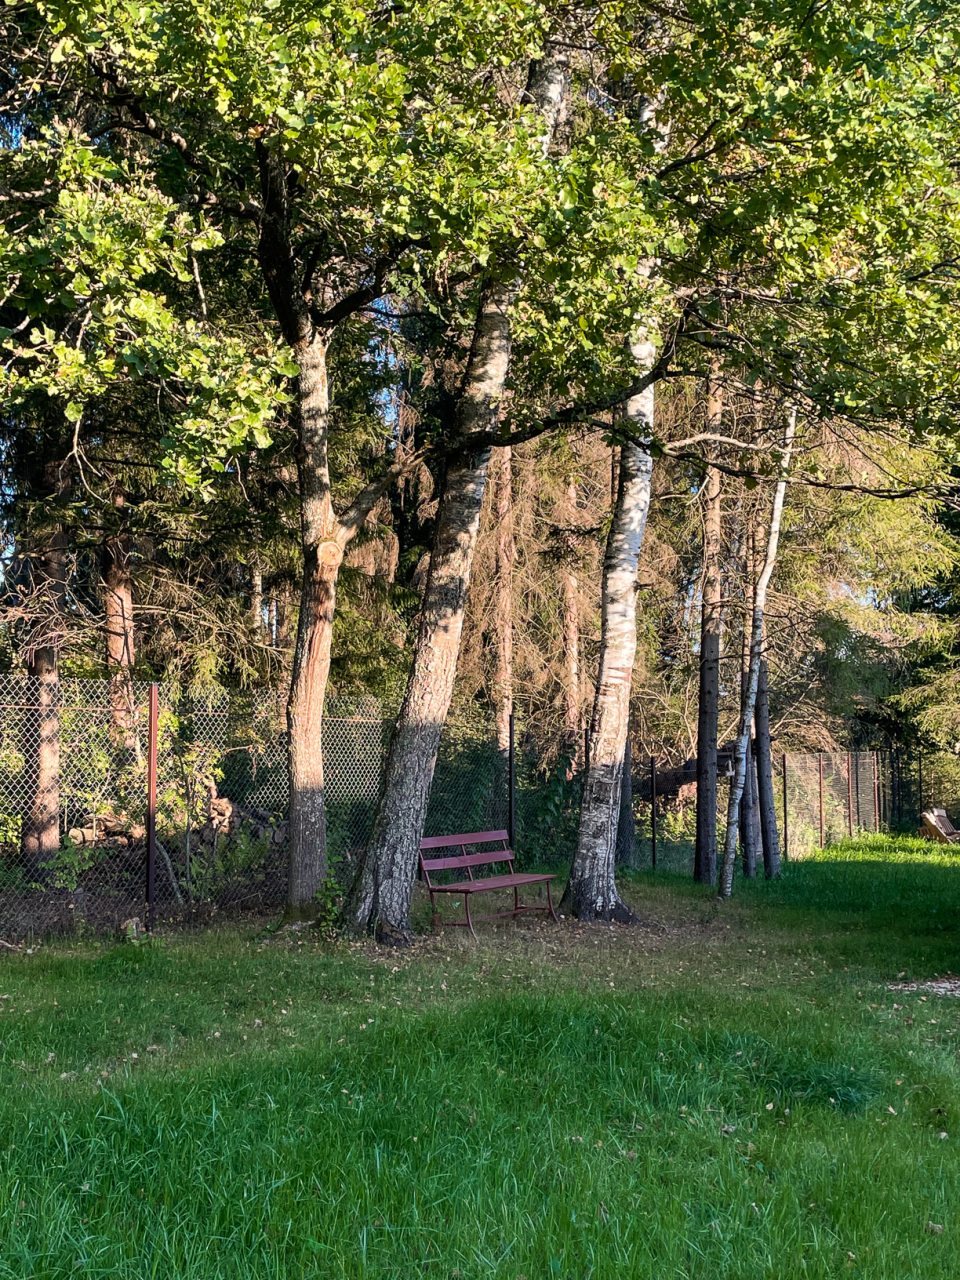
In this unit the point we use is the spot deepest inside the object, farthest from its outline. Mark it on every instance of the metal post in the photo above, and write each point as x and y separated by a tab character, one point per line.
511	788
876	791
920	780
820	794
856	787
786	827
153	721
849	797
653	812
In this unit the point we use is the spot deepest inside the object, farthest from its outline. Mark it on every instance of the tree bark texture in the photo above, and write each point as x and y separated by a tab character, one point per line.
766	794
749	818
591	893
380	898
40	817
322	549
756	653
119	629
506	552
705	853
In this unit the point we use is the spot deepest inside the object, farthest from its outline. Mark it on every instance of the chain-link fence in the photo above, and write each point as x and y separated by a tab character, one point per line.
917	780
828	796
75	777
72	802
74	812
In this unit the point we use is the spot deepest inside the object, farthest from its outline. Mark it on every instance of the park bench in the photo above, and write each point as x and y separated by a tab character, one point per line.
461	861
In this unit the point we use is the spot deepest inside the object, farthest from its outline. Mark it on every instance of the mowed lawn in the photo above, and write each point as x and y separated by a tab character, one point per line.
728	1091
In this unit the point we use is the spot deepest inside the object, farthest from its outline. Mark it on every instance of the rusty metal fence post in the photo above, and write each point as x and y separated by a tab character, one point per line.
876	791
653	812
820	797
850	794
511	788
153	725
786	826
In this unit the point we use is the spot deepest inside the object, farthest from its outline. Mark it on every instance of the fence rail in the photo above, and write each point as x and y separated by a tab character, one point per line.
116	800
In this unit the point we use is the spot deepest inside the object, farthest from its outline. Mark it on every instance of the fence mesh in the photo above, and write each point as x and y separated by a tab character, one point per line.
73	799
830	796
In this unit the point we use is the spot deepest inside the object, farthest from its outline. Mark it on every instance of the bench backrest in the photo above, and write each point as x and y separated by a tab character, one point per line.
932	829
944	823
461	860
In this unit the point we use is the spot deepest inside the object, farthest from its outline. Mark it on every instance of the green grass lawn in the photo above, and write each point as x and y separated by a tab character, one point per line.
728	1091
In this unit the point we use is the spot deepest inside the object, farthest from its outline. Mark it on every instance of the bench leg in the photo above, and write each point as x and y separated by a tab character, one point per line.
466	907
550	905
516	900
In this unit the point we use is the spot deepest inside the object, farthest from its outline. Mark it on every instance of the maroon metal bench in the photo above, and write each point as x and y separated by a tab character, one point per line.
464	861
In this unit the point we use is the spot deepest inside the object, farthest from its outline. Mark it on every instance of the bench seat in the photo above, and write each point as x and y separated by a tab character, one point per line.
437	854
490	882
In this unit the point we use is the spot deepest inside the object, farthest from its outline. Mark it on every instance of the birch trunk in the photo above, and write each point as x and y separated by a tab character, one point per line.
705	854
766	796
749	818
119	630
322	554
749	826
503	596
380	898
756	654
591	892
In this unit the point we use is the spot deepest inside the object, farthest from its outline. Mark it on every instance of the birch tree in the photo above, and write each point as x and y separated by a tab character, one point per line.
708	702
591	892
748	701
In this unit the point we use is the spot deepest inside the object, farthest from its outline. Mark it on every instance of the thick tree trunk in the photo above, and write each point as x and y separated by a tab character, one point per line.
766	796
705	853
503	595
119	629
322	555
572	675
380	898
591	892
756	654
40	817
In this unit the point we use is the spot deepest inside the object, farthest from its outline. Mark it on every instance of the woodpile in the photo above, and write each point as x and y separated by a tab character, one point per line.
225	817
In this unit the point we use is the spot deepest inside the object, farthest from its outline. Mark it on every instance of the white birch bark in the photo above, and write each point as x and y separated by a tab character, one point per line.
749	700
591	892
